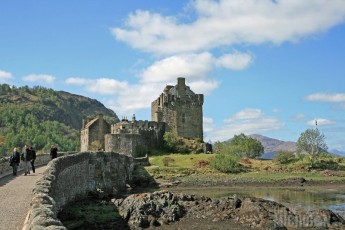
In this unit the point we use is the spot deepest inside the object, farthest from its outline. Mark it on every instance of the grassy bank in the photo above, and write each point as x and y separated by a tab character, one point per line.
194	168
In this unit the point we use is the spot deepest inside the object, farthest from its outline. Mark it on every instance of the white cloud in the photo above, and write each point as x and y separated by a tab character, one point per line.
204	86
39	78
235	61
193	66
76	81
245	114
208	124
5	76
127	98
320	122
105	86
324	97
136	97
248	121
225	22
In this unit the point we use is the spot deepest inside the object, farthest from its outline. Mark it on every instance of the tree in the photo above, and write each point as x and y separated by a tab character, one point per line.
171	139
313	143
248	146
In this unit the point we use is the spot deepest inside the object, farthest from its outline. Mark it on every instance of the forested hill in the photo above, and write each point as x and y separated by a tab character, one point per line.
41	116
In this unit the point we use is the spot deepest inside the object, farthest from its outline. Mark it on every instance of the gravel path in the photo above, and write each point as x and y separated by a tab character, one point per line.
15	198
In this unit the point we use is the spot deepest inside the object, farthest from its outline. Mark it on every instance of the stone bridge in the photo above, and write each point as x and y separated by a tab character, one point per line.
63	180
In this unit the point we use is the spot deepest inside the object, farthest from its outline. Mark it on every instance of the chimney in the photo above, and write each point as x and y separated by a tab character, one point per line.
181	86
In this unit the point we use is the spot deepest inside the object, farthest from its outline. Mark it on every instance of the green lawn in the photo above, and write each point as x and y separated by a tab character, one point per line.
195	167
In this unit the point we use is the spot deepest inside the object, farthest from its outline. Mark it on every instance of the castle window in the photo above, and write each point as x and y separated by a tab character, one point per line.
183	117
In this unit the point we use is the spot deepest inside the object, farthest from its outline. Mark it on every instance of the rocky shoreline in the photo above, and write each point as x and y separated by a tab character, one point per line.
161	209
172	209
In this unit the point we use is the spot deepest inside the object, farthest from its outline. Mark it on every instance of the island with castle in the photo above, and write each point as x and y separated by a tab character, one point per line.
178	109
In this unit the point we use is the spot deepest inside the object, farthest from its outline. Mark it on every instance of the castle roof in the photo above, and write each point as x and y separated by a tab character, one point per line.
90	123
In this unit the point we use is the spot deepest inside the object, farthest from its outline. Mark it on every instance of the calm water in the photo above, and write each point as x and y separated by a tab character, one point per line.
311	198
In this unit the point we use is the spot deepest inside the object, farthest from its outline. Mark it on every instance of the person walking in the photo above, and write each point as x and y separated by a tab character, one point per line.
14	161
26	158
53	151
33	158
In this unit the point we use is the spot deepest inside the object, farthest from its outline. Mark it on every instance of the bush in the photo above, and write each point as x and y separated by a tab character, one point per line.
284	157
227	148
226	163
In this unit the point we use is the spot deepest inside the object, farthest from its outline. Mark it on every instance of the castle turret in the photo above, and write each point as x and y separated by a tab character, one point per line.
181	109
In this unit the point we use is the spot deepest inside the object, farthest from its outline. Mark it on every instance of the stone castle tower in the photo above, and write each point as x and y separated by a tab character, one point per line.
181	109
177	109
92	133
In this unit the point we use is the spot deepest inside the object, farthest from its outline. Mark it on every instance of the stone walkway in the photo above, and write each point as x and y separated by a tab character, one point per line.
15	198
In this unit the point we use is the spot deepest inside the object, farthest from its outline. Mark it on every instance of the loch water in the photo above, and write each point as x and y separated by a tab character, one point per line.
332	198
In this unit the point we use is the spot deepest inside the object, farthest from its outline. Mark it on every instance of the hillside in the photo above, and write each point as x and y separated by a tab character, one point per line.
272	145
42	116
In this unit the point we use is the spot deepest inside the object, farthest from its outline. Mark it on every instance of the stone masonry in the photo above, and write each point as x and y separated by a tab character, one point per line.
73	177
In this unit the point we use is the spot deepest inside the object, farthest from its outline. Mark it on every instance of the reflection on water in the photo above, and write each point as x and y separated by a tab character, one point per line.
333	199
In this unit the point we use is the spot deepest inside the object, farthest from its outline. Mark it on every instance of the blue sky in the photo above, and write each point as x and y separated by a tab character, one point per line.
265	67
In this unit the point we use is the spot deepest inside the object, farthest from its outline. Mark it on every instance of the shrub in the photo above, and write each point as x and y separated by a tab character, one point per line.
284	157
178	144
226	163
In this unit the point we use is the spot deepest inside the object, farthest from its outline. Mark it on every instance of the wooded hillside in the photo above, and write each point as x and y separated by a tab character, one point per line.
41	116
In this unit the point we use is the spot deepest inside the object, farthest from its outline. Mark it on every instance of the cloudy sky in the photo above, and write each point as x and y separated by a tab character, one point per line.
270	67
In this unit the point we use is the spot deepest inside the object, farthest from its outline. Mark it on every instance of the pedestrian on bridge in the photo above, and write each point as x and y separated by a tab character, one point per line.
33	158
14	161
27	156
53	152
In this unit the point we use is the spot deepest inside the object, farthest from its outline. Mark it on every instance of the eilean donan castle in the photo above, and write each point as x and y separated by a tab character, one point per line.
177	109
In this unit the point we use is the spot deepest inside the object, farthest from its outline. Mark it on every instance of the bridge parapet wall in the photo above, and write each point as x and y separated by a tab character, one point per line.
72	177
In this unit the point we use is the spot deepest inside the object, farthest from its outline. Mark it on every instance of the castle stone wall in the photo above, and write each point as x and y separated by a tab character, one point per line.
70	178
92	134
123	143
130	143
189	122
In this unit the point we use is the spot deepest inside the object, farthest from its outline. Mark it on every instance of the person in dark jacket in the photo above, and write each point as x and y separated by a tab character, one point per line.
33	158
53	151
26	159
14	161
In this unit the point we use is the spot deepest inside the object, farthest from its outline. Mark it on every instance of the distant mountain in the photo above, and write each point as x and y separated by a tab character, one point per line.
337	152
41	116
273	145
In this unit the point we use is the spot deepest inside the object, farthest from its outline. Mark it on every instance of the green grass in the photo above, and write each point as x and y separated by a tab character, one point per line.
76	215
186	167
181	160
